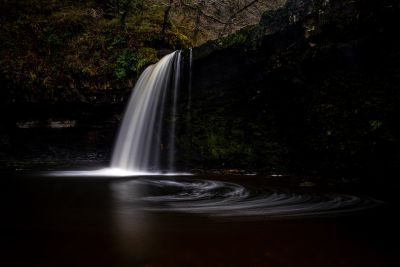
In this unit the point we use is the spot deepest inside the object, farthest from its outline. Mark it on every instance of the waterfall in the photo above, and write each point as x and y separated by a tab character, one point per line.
139	141
190	79
171	145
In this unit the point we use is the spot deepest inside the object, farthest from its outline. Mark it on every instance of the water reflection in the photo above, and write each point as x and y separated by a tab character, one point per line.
132	226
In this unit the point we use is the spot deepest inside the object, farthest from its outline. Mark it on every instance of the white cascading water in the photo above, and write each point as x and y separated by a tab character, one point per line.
176	82
139	142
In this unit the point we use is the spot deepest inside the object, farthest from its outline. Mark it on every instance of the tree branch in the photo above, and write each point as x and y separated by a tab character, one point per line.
242	9
202	12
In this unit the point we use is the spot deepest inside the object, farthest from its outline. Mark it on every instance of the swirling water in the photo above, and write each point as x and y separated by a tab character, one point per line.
230	199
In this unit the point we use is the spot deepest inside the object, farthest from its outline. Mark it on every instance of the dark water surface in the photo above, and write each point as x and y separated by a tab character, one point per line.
189	221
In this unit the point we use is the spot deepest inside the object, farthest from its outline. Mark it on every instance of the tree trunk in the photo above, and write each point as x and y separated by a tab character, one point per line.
166	19
122	21
197	22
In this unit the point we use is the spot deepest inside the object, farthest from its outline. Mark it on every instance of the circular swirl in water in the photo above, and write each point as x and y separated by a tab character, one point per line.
217	198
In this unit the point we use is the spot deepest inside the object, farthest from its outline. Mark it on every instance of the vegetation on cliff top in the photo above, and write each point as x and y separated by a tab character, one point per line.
63	51
57	50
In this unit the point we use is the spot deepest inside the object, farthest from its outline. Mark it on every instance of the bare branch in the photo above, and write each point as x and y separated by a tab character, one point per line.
202	12
243	9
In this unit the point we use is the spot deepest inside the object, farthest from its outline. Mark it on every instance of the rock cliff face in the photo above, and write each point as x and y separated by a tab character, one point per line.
314	87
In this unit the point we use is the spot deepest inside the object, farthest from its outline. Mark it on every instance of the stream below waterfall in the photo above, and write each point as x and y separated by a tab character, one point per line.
194	220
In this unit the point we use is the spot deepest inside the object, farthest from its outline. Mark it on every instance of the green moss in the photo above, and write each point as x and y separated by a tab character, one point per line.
233	39
375	124
131	62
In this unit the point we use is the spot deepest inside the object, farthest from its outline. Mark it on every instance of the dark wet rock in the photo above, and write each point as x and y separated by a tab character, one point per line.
56	136
313	88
